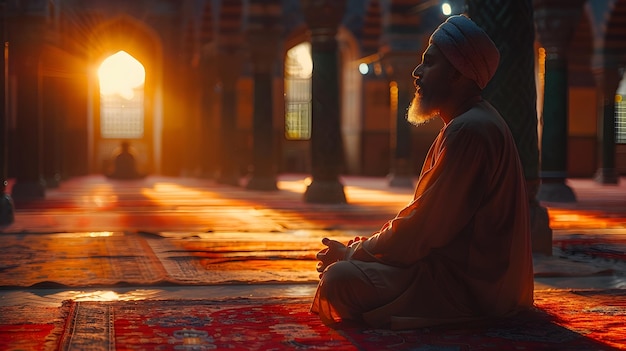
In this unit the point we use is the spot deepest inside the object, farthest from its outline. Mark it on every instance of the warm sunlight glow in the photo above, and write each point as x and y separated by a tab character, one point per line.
120	74
299	63
568	219
99	197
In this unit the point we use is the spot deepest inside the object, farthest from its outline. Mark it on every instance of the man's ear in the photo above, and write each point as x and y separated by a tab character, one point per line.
456	75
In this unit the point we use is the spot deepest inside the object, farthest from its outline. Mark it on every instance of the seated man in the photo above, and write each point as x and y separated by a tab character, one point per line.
125	166
460	251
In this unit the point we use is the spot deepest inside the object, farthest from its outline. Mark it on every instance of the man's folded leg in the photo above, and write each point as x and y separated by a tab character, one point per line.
350	288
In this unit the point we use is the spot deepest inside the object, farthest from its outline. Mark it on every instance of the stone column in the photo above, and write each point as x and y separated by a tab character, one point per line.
52	129
229	63
264	31
555	21
402	41
26	38
398	68
7	215
510	25
607	80
323	18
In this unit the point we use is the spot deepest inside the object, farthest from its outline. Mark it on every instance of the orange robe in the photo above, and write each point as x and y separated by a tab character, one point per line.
463	243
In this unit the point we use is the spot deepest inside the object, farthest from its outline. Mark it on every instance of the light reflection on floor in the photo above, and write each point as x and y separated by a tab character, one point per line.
572	218
54	297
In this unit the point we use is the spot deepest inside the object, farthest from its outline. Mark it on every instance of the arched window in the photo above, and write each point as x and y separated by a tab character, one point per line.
298	69
620	119
620	113
122	80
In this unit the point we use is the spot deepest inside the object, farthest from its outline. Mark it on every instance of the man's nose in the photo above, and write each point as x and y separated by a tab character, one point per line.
415	72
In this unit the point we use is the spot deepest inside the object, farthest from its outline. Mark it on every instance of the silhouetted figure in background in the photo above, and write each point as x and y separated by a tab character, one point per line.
125	165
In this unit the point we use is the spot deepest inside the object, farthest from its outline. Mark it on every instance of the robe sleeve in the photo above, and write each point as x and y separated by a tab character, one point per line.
448	193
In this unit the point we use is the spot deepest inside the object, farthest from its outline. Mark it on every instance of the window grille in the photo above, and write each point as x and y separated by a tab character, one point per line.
620	119
298	92
122	118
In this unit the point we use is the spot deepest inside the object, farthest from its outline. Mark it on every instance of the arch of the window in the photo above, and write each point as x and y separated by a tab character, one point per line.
121	97
298	69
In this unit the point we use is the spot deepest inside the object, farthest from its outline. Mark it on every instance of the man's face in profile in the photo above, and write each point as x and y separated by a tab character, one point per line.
432	83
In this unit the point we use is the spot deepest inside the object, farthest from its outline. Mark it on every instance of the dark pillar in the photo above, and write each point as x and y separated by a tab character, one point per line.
264	32
6	203
555	22
210	117
229	70
323	18
52	129
398	66
510	25
400	55
607	80
25	53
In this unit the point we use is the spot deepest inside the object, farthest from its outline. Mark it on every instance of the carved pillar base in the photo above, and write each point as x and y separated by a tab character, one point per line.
325	192
606	176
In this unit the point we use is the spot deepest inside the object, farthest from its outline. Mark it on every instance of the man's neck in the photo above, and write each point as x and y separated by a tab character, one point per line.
460	107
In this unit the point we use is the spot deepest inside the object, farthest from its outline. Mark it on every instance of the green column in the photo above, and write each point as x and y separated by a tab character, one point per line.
554	134
608	79
323	18
555	23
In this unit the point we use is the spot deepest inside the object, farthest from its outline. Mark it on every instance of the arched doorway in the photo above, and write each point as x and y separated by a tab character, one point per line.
133	114
122	116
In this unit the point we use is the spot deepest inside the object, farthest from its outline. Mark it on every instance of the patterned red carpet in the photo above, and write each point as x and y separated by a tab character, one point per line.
585	320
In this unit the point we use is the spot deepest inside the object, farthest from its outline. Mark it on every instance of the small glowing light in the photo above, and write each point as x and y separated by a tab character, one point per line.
100	234
364	68
446	9
618	98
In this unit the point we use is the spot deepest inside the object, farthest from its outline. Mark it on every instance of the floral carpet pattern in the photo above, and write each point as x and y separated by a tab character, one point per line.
562	320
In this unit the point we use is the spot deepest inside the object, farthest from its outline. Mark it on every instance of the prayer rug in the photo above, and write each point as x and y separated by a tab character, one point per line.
77	259
32	328
218	258
605	253
583	320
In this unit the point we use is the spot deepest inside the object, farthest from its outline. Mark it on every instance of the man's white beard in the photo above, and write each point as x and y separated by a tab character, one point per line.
419	112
